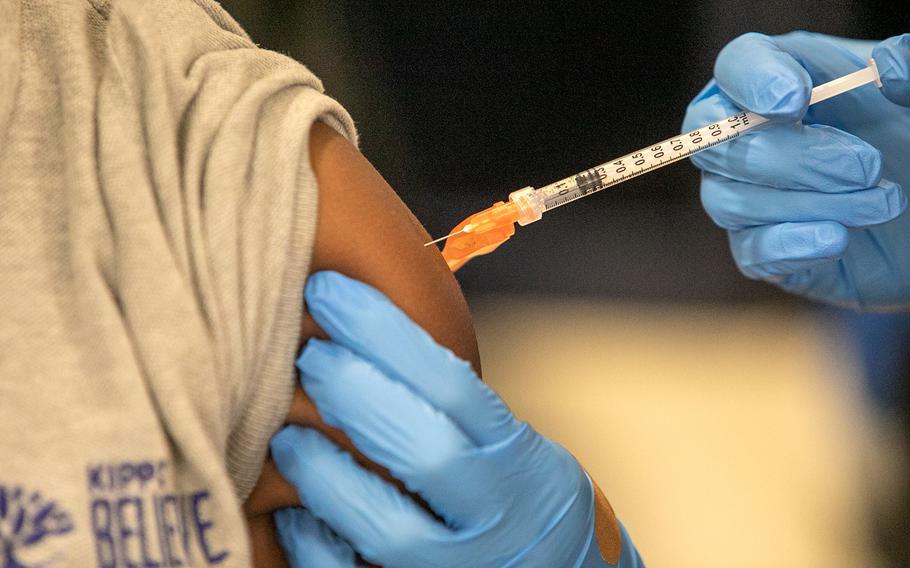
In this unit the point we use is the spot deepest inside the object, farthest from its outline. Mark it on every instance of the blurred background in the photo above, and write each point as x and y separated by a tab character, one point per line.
730	424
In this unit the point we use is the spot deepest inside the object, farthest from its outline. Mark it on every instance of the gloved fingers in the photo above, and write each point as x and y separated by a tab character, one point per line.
862	48
389	423
359	506
309	542
362	319
773	252
736	205
303	412
759	75
709	106
774	76
876	272
823	283
892	57
797	156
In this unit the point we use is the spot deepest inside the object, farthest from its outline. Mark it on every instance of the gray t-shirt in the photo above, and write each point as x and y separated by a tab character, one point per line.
157	213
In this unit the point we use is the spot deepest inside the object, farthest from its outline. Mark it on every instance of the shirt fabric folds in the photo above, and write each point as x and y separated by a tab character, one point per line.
157	215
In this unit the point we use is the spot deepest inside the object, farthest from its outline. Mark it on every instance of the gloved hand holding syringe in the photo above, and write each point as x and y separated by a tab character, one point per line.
483	232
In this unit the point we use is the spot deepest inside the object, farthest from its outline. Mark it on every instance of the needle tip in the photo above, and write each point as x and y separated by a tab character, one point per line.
466	229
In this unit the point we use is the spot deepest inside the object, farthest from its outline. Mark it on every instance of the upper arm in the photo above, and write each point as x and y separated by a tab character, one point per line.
366	232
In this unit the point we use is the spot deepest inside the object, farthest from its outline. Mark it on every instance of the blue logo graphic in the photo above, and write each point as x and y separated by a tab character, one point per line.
27	519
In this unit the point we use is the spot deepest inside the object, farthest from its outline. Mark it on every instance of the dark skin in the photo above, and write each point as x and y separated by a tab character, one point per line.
366	232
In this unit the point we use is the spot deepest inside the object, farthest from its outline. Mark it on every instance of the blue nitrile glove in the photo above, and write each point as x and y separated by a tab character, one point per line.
309	543
813	202
504	494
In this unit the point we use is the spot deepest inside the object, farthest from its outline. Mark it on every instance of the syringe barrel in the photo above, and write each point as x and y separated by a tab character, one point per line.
530	205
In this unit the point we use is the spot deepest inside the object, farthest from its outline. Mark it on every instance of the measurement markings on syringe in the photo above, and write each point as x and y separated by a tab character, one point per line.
645	160
528	205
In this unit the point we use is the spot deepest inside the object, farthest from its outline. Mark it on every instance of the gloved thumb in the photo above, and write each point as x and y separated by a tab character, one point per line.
760	74
892	57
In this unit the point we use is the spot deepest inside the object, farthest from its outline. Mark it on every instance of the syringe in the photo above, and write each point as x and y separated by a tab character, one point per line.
482	232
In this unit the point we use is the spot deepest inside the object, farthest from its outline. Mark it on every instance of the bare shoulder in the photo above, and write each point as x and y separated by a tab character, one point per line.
366	232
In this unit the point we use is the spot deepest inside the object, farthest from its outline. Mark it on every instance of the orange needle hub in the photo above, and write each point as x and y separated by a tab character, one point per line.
483	232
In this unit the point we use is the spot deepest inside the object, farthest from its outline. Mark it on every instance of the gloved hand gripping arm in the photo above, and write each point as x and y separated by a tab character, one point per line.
500	493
